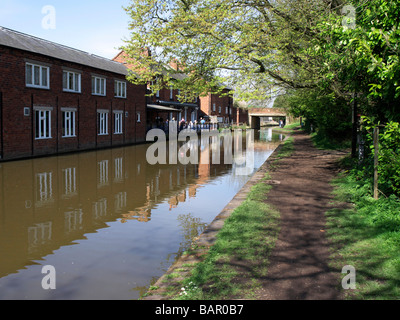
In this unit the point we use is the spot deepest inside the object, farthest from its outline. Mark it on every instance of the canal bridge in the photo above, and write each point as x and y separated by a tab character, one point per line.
255	115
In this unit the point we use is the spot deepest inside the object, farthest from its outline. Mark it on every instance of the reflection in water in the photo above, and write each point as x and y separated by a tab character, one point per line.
107	220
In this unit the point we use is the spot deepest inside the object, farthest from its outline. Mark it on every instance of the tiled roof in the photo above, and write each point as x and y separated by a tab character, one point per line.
18	40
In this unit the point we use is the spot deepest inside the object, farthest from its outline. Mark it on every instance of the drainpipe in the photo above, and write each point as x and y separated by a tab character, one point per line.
57	126
77	122
32	128
1	126
112	124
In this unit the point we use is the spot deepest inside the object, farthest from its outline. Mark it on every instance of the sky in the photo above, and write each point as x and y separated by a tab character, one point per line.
94	26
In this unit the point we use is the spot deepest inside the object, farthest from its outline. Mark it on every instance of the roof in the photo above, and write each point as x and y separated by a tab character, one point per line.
22	41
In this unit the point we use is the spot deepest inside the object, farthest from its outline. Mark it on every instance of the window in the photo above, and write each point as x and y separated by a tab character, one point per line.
102	173
98	86
37	76
71	81
214	107
69	178
226	110
118	122
120	89
118	169
171	93
138	117
43	124
103	123
219	109
44	185
68	124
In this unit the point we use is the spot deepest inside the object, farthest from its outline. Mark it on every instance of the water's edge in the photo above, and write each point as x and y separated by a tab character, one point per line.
208	237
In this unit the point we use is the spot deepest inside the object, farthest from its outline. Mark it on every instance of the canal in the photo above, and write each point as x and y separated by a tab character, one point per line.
107	221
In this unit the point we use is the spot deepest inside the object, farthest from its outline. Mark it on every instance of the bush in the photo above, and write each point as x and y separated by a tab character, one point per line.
389	155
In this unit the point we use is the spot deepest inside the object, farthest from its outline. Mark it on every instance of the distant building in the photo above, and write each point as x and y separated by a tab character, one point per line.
222	107
56	99
164	106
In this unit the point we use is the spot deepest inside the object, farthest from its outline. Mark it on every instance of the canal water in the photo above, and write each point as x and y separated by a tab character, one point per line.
107	221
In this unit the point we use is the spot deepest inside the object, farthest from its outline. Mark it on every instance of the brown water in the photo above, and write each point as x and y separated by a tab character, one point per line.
109	223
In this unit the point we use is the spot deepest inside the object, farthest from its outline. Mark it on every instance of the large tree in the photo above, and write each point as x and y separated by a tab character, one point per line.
332	49
249	45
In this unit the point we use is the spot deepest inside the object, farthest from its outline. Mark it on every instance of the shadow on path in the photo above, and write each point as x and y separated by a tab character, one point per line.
298	266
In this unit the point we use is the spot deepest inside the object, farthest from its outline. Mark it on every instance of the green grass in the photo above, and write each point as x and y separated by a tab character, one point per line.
248	237
366	235
232	267
287	149
288	128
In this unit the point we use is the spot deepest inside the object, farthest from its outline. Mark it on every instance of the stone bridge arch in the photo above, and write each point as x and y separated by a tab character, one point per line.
255	115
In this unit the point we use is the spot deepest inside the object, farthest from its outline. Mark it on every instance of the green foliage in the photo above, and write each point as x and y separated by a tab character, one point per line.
389	154
366	235
305	48
327	114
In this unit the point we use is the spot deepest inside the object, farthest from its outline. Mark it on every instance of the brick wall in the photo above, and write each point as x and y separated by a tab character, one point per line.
221	104
17	130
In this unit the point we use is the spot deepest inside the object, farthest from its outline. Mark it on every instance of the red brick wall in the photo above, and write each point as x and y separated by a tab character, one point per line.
18	130
207	103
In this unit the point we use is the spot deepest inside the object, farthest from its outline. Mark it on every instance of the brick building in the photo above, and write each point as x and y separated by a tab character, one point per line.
222	107
164	105
56	99
219	106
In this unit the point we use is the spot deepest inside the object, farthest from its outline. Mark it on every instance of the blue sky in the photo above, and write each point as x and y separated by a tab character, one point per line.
95	26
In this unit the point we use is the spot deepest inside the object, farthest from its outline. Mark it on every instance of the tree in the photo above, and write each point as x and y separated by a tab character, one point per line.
327	50
249	45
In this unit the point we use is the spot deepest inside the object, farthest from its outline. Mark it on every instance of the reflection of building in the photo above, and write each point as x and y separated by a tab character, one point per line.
56	99
46	203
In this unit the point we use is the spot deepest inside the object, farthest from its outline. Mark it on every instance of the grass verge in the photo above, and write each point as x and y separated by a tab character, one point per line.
240	255
232	267
365	233
288	128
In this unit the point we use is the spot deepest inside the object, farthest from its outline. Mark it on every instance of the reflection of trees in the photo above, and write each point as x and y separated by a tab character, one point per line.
192	227
141	290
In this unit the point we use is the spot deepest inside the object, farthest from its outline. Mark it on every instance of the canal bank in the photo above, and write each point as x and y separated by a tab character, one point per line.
172	285
295	263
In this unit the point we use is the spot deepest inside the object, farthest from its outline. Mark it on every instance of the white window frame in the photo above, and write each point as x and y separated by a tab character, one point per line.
99	86
118	122
42	70
43	124
103	123
68	118
120	89
76	81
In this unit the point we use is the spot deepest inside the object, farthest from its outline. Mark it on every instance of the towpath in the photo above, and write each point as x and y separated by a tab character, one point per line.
299	264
